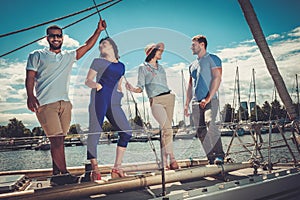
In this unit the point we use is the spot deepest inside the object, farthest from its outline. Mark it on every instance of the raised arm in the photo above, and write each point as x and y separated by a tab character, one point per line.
91	41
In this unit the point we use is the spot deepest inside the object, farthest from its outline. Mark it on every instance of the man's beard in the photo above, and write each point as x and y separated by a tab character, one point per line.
53	47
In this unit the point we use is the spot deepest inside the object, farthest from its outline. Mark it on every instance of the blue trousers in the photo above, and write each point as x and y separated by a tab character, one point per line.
107	103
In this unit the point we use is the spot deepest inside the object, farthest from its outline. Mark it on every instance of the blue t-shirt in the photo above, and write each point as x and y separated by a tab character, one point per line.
53	74
200	71
154	80
108	73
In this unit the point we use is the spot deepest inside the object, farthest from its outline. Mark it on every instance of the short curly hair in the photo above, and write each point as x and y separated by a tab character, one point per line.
53	27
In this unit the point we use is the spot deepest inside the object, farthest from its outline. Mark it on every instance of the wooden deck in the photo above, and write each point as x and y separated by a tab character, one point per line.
190	182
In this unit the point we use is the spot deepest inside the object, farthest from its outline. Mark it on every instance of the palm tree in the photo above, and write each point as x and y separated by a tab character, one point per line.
261	42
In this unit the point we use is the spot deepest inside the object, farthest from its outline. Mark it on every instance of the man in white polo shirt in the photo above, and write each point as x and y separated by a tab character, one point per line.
48	72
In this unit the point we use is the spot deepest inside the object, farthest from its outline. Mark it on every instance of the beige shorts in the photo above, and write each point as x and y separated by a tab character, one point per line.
55	118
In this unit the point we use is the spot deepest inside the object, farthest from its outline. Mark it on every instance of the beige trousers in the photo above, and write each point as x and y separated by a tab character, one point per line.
162	108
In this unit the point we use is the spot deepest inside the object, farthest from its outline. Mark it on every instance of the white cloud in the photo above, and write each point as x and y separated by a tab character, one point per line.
28	119
295	32
11	78
70	42
273	37
43	42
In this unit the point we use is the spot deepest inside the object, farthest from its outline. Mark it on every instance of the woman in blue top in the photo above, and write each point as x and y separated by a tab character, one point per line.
105	101
152	77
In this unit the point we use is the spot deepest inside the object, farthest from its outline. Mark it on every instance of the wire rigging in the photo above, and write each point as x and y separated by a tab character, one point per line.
9	52
133	99
91	14
54	20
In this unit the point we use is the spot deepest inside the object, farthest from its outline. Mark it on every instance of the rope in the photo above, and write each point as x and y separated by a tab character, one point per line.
54	20
21	47
100	17
91	14
5	54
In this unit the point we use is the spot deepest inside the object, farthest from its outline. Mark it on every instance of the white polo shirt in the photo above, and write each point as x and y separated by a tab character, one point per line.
53	74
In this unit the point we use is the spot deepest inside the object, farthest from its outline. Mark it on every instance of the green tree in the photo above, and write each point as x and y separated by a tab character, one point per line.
227	114
297	107
266	108
260	114
107	126
75	129
181	124
243	114
277	111
16	128
38	131
3	131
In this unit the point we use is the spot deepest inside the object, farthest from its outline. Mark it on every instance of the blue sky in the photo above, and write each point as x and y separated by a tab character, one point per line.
135	23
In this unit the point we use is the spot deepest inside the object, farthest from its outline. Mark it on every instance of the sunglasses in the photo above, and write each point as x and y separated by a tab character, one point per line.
55	35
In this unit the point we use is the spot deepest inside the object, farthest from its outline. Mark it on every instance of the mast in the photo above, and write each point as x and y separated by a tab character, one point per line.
144	106
297	92
128	106
265	51
182	87
239	94
255	107
233	99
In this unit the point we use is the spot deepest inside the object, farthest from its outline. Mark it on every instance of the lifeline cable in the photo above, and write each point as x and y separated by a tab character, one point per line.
54	20
62	28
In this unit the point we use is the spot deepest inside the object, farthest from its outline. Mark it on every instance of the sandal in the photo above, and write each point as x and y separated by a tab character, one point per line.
95	176
117	173
174	165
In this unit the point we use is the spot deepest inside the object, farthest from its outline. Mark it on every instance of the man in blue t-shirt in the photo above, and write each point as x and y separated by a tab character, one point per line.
204	82
48	72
